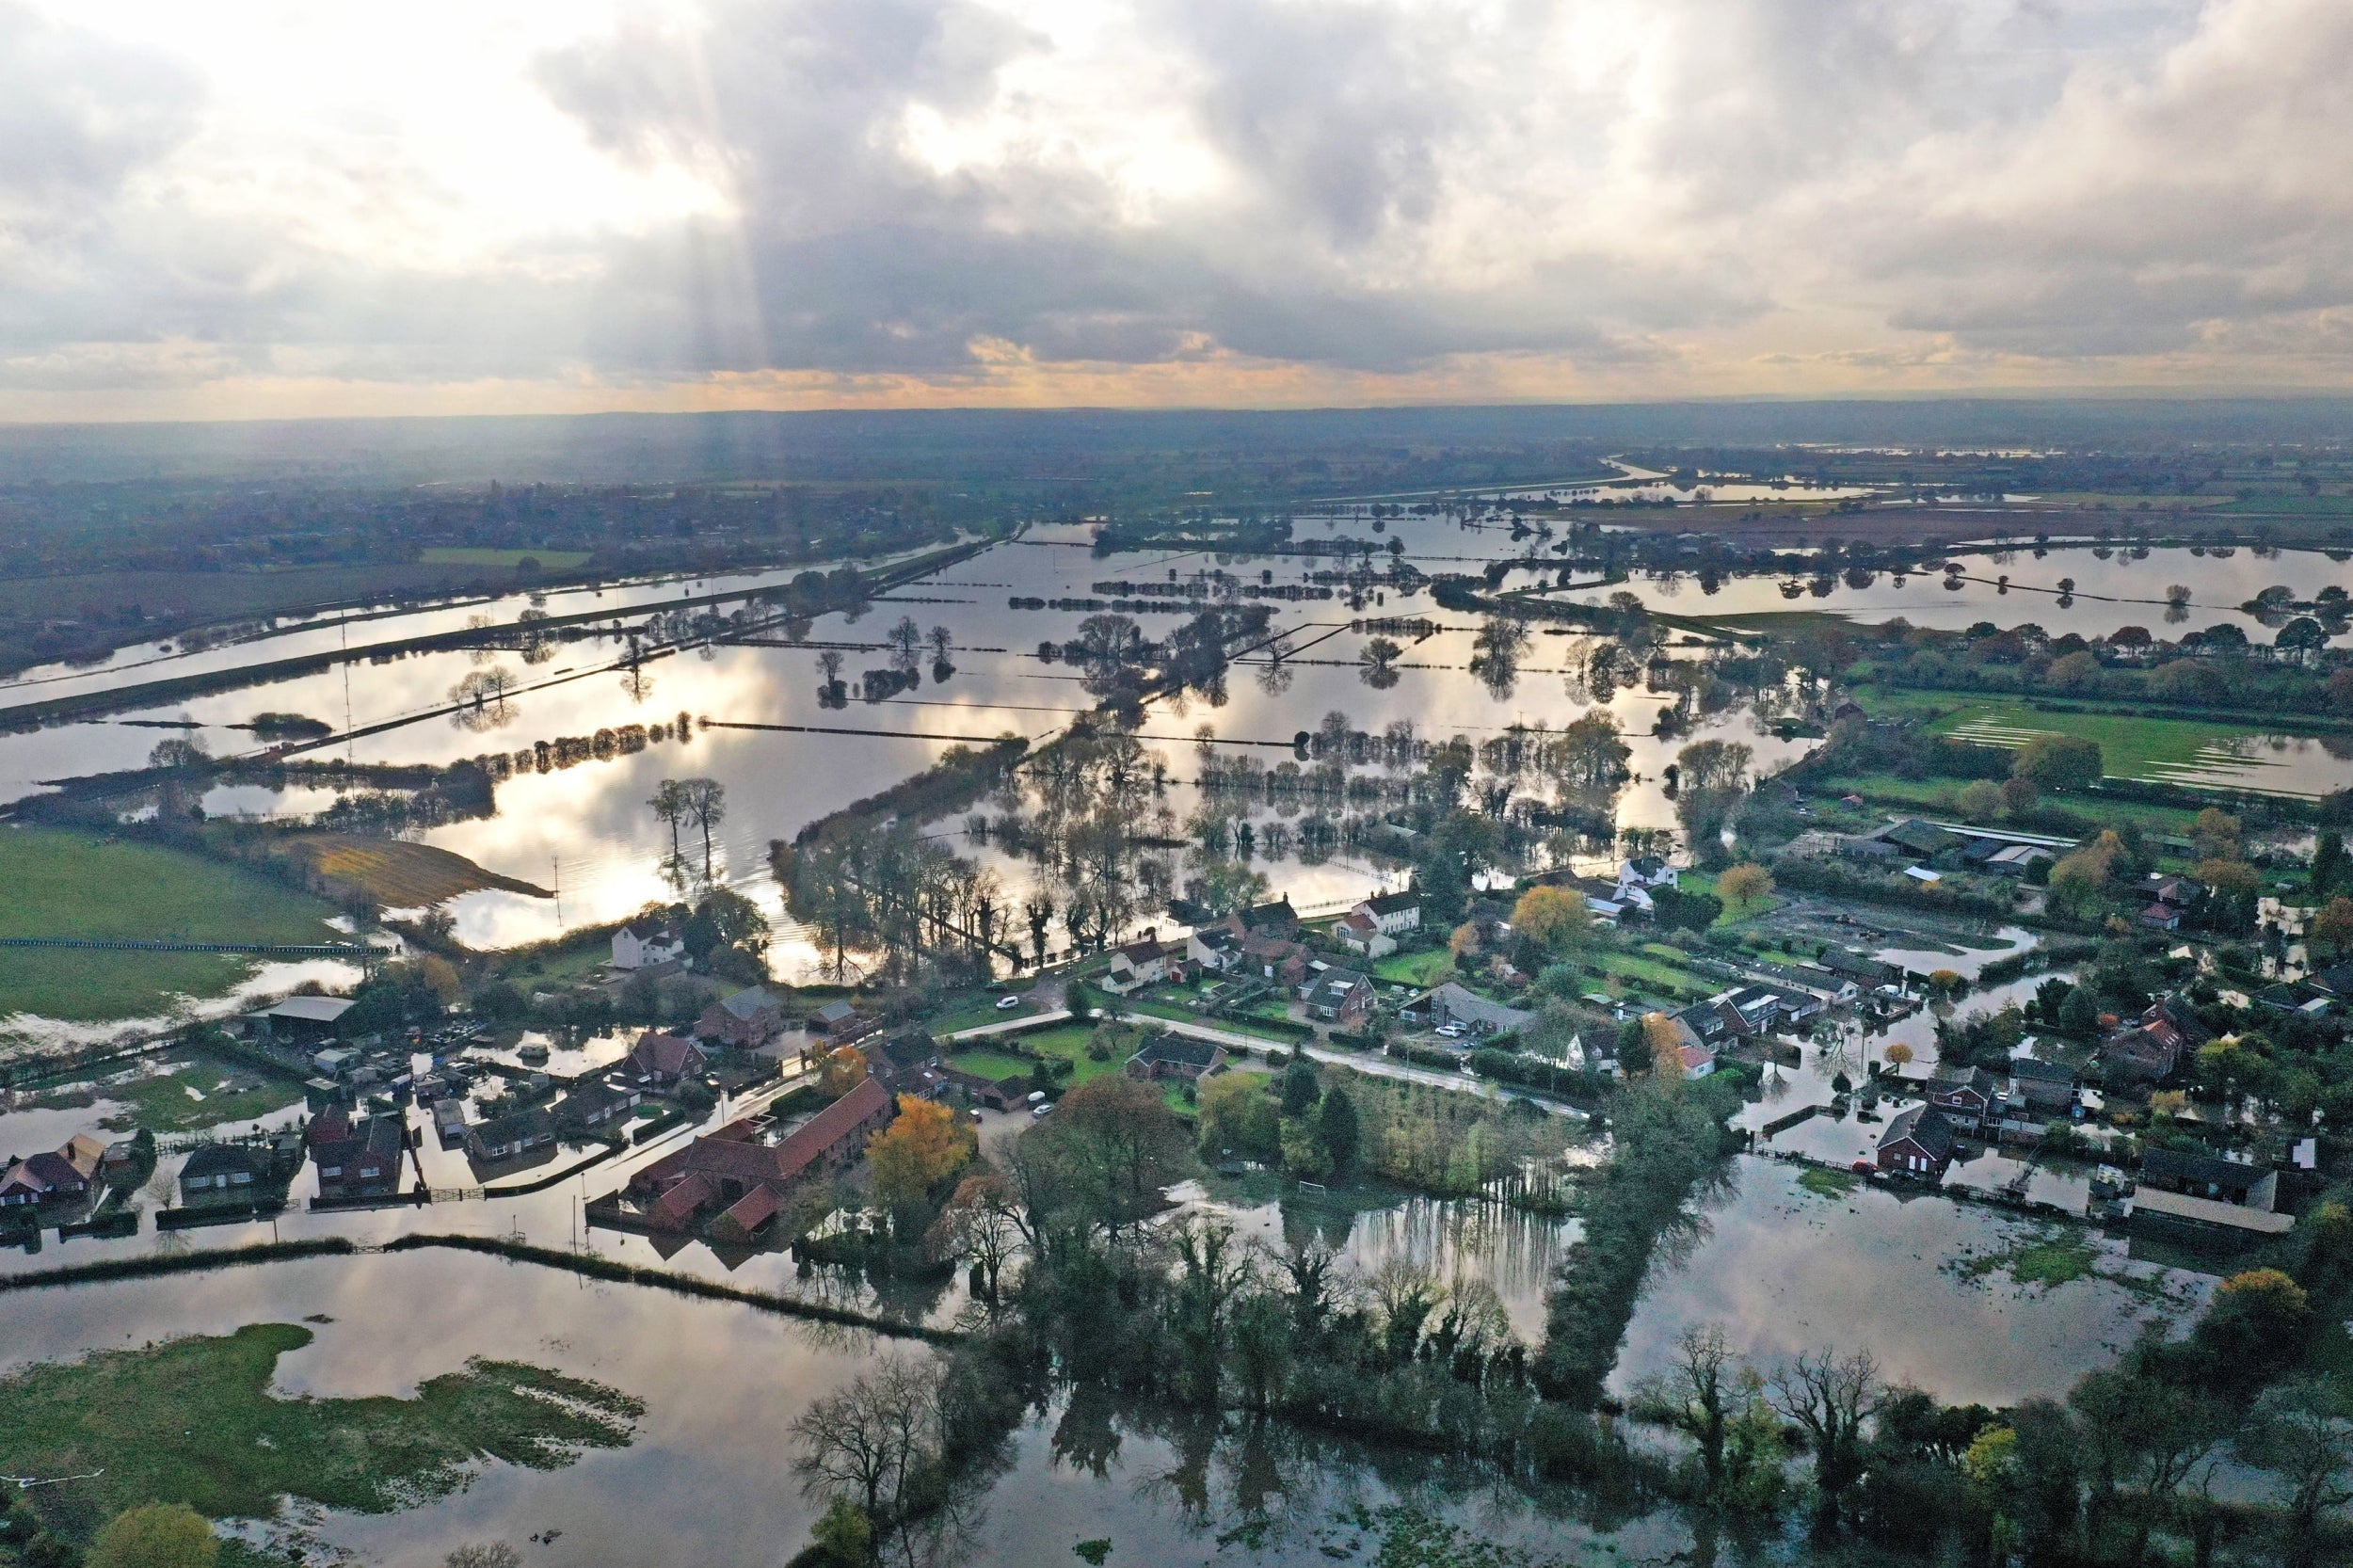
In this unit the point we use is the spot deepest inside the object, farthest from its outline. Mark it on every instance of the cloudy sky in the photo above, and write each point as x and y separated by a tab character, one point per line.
235	209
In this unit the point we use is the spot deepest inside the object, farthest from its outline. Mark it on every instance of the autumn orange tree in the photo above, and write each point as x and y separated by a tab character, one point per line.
924	1145
842	1070
1745	885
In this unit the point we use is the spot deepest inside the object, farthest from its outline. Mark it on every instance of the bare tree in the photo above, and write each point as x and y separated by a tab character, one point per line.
1831	1397
493	1553
669	806
829	666
1695	1396
871	1439
706	802
2302	1431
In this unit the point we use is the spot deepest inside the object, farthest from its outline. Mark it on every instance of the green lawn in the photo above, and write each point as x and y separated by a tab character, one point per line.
456	555
60	883
1421	970
990	1063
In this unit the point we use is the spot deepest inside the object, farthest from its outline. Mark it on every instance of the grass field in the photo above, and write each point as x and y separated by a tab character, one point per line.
1934	797
989	1063
2164	751
64	883
456	555
1418	969
398	874
194	1420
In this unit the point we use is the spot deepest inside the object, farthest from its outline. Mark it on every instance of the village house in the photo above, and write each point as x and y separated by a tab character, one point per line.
1214	948
1969	1096
1137	965
366	1164
58	1176
597	1104
2042	1089
1273	957
1698	1062
1393	915
747	1019
1647	872
449	1123
747	1180
1918	1142
1341	997
1455	1006
1358	932
905	1061
510	1137
647	942
216	1171
1277	918
2151	1049
1712	1023
660	1061
1176	1056
840	1024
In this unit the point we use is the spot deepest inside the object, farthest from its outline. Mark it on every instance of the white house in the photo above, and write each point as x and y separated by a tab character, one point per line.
1214	948
1137	964
1394	914
646	942
1360	933
1647	870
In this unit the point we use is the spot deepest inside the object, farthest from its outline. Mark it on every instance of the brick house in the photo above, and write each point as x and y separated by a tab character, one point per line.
660	1062
745	1180
749	1018
1918	1142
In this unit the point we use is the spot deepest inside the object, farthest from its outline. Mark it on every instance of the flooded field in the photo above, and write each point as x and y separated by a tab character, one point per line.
1788	1268
586	833
2013	587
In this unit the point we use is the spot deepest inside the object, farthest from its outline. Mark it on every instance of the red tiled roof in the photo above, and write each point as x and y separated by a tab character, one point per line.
754	1209
727	1155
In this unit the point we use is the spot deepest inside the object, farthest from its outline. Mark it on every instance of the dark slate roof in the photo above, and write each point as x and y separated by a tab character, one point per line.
212	1160
2034	1069
747	1004
1925	1126
1181	1050
2199	1169
1394	903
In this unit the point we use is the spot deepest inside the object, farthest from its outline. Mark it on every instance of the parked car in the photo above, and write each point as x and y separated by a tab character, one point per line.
1040	1110
1005	1002
1036	1095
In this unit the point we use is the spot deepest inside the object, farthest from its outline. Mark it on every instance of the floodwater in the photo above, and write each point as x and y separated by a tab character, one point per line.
2015	588
1787	1272
270	978
586	833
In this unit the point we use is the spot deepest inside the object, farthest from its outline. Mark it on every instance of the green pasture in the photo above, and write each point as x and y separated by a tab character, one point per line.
60	883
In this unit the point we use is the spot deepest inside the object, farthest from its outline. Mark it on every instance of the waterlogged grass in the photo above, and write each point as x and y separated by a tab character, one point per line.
1826	1183
59	883
2049	1256
162	1101
194	1420
2158	750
